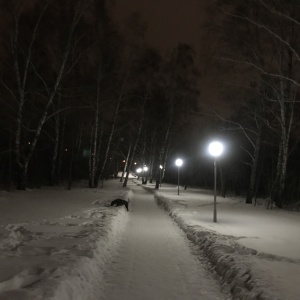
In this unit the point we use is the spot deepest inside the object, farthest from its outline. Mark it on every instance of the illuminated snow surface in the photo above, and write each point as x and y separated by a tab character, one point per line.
71	245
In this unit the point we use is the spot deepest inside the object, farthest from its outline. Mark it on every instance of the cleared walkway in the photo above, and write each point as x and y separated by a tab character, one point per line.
155	259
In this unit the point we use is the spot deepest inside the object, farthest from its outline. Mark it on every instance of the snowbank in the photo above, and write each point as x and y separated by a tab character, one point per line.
221	255
55	244
82	280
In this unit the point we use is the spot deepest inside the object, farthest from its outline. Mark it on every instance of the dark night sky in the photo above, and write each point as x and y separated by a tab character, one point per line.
172	21
169	21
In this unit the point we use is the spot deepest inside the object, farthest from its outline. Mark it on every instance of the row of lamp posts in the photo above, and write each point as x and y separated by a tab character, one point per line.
215	149
144	170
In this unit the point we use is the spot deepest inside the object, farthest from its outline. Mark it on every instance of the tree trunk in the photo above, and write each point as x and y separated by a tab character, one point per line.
251	189
284	161
144	177
9	179
55	150
112	131
136	141
61	151
22	176
91	172
70	179
152	158
163	152
126	163
94	138
286	121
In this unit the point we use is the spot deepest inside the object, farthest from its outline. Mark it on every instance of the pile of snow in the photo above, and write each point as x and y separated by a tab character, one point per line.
221	254
82	280
55	244
17	234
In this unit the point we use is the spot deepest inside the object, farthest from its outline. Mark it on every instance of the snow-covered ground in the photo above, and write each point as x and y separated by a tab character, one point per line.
56	243
59	244
157	261
254	250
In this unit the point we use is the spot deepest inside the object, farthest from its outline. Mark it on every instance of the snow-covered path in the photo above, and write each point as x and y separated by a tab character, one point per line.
155	260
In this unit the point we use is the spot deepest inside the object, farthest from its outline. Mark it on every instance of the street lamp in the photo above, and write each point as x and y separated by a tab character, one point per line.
215	149
139	170
145	169
178	163
160	169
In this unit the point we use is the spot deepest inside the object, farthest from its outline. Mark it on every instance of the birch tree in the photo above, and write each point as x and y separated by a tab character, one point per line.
273	53
27	70
113	126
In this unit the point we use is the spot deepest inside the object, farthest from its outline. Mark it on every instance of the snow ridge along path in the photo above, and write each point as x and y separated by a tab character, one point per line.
155	259
55	243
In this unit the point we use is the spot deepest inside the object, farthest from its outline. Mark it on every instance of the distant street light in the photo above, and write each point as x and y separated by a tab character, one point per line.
139	170
178	163
160	169
145	169
215	149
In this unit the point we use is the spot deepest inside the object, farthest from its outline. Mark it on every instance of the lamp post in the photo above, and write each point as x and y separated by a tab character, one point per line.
215	150
160	169
145	169
178	163
139	170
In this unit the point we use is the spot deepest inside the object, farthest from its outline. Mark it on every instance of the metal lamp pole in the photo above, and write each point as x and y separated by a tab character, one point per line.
178	180
215	149
178	163
215	190
160	168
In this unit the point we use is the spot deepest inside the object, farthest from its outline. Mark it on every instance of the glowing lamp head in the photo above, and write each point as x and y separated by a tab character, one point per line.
215	149
139	170
178	162
145	168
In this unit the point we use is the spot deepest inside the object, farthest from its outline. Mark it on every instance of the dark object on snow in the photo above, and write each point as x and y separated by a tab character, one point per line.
120	202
